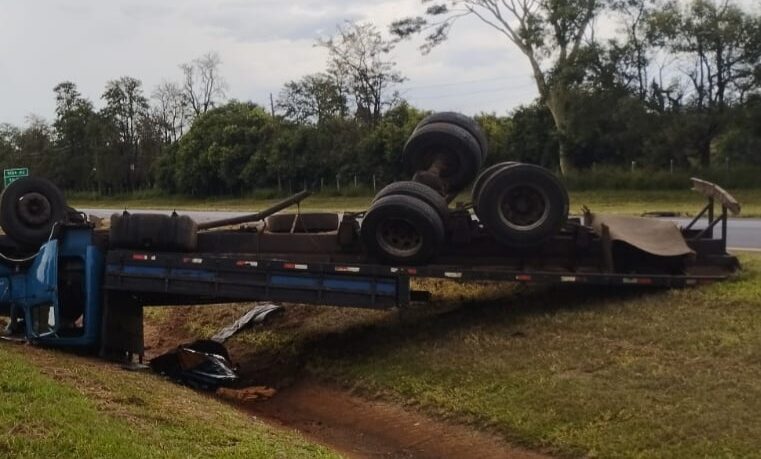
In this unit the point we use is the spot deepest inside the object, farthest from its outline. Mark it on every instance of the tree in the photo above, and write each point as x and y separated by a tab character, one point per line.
203	87
126	107
719	48
358	59
171	111
312	100
73	160
550	33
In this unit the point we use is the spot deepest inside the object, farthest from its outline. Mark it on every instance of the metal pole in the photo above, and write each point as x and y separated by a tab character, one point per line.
277	207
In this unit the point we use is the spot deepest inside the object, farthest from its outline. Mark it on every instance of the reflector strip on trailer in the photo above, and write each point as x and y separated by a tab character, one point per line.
143	257
523	277
295	266
347	269
250	264
452	275
195	261
637	280
568	279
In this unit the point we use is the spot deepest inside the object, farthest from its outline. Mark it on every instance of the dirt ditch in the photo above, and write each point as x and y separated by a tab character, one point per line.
353	425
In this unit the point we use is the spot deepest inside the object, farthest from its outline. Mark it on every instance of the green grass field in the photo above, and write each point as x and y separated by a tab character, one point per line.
58	405
591	372
615	201
573	371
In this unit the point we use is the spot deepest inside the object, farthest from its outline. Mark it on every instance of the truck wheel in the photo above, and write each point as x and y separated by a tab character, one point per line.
522	205
449	149
402	230
463	121
29	209
484	176
420	191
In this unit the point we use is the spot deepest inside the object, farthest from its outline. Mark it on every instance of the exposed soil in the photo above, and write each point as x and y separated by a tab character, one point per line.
361	428
353	425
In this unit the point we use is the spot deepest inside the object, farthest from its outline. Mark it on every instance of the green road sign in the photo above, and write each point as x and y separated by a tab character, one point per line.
11	175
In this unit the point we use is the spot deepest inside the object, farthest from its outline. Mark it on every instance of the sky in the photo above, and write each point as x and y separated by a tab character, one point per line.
262	43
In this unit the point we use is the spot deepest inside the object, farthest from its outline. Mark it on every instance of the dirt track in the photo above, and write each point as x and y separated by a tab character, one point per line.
361	428
352	425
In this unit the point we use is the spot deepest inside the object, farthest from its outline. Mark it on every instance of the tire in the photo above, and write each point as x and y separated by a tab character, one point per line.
29	209
402	230
453	149
522	205
312	222
483	176
463	121
420	191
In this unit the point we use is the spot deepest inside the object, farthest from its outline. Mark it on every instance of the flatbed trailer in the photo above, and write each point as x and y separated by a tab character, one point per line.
81	291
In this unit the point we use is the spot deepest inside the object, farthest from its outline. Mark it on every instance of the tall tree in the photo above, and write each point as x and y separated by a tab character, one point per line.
126	106
718	46
171	111
312	100
73	160
203	86
550	33
358	56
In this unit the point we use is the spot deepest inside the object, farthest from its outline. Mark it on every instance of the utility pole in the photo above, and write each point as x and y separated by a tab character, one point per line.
272	106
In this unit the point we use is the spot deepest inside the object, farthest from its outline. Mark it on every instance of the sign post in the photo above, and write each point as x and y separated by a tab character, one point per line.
11	175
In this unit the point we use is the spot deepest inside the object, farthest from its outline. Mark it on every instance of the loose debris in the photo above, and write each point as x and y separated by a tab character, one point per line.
203	364
256	315
246	395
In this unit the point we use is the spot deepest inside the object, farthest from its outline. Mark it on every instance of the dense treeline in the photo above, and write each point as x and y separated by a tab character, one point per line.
679	88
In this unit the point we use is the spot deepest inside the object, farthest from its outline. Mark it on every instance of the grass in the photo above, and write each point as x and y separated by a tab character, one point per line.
573	371
59	405
619	201
597	373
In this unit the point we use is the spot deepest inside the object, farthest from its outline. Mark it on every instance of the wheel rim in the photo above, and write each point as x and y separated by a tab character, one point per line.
34	209
399	237
523	207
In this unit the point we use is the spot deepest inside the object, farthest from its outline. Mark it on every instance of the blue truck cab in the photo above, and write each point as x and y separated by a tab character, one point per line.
57	293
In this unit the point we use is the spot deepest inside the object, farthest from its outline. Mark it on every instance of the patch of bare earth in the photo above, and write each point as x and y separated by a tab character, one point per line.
351	424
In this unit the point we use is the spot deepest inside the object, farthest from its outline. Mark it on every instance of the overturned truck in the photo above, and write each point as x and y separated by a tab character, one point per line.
67	283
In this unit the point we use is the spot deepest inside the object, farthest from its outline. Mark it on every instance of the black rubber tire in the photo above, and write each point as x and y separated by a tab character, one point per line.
310	222
410	212
483	176
529	180
463	121
14	225
453	145
420	191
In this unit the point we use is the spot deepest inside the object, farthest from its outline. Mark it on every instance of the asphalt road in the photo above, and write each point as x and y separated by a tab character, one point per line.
744	233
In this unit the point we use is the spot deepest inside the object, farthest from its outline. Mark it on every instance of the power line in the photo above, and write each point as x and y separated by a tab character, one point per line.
455	83
470	93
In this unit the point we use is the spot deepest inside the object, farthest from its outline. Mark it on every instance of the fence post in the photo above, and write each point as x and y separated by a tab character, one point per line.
355	181
338	182
634	165
671	166
322	184
374	188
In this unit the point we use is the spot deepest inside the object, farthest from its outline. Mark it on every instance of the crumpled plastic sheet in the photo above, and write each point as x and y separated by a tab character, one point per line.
256	315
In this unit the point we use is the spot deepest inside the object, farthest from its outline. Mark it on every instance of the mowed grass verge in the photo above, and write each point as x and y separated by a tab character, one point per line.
608	373
611	201
574	371
58	405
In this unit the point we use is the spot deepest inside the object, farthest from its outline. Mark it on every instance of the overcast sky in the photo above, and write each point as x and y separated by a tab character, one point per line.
263	43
